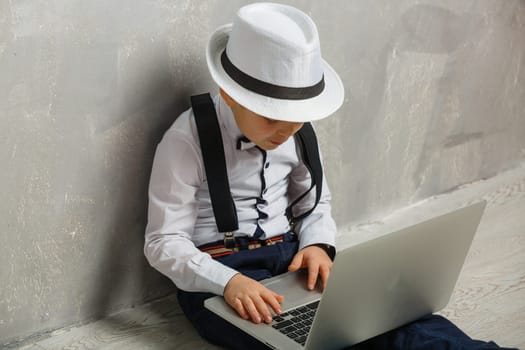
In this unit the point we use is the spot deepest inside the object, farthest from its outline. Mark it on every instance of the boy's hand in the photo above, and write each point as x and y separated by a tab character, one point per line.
316	261
251	299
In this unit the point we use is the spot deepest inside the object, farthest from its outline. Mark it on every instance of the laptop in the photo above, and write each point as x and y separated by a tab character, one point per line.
374	286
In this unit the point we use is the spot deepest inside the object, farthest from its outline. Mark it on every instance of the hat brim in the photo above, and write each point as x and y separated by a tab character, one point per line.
310	109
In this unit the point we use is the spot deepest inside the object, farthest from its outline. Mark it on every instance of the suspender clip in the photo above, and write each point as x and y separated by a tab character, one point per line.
292	223
229	240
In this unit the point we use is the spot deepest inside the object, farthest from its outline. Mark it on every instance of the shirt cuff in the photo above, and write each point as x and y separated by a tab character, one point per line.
211	275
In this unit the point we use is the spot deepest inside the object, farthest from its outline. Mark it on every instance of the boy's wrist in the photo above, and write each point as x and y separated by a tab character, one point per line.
329	250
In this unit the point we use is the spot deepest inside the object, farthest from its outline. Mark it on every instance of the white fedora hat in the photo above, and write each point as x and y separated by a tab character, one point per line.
269	61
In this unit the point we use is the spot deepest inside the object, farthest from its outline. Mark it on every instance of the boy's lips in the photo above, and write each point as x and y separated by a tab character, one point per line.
277	143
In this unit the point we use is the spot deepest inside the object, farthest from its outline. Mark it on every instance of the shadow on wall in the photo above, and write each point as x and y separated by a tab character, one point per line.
422	32
424	36
124	277
468	92
438	31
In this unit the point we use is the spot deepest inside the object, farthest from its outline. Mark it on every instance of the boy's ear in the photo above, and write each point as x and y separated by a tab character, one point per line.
229	101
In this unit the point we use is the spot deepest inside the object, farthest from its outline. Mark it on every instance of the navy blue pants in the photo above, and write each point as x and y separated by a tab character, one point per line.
431	332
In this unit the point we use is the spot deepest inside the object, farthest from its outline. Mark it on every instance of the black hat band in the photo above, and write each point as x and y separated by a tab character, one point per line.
267	89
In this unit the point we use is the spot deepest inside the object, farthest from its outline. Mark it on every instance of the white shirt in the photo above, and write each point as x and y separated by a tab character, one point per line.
180	216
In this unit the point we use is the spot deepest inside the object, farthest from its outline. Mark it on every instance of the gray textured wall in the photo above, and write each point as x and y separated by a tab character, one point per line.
435	99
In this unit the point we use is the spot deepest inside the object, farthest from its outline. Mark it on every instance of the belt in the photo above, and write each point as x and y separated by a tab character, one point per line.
218	249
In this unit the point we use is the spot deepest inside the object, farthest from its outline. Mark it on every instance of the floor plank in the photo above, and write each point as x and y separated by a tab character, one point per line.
489	299
157	326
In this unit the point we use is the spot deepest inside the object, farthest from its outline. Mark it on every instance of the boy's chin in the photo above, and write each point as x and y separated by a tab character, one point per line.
268	146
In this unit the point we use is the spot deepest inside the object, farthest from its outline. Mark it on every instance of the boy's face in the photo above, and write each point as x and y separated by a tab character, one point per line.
266	133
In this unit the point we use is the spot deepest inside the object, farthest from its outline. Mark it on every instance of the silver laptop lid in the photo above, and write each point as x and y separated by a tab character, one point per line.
392	280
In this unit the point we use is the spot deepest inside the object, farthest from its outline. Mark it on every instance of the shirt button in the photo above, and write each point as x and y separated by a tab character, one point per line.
265	190
267	165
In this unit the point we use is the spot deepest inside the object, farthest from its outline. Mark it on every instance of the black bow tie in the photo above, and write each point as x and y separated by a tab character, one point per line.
243	143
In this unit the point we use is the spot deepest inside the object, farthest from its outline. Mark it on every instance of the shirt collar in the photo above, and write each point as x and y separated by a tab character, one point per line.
230	125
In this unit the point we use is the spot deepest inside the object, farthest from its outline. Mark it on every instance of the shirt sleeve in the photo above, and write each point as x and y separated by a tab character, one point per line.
177	175
319	227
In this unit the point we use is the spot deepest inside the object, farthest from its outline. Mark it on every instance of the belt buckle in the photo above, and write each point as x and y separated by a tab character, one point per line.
229	240
274	240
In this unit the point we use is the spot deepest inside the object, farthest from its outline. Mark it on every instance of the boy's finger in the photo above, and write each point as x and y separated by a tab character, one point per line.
250	307
262	308
313	273
240	309
297	262
275	302
324	271
279	297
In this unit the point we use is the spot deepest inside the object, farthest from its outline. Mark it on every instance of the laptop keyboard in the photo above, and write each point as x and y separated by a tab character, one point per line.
296	323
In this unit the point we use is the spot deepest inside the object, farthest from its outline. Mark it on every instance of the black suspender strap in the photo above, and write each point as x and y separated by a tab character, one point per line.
310	151
215	166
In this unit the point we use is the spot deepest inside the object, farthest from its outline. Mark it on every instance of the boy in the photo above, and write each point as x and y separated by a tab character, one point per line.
272	79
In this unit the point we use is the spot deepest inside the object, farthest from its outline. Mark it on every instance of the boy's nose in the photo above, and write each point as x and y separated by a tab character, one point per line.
289	128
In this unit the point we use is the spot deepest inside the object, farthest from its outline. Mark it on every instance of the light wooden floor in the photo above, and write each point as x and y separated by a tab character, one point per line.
488	303
489	300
